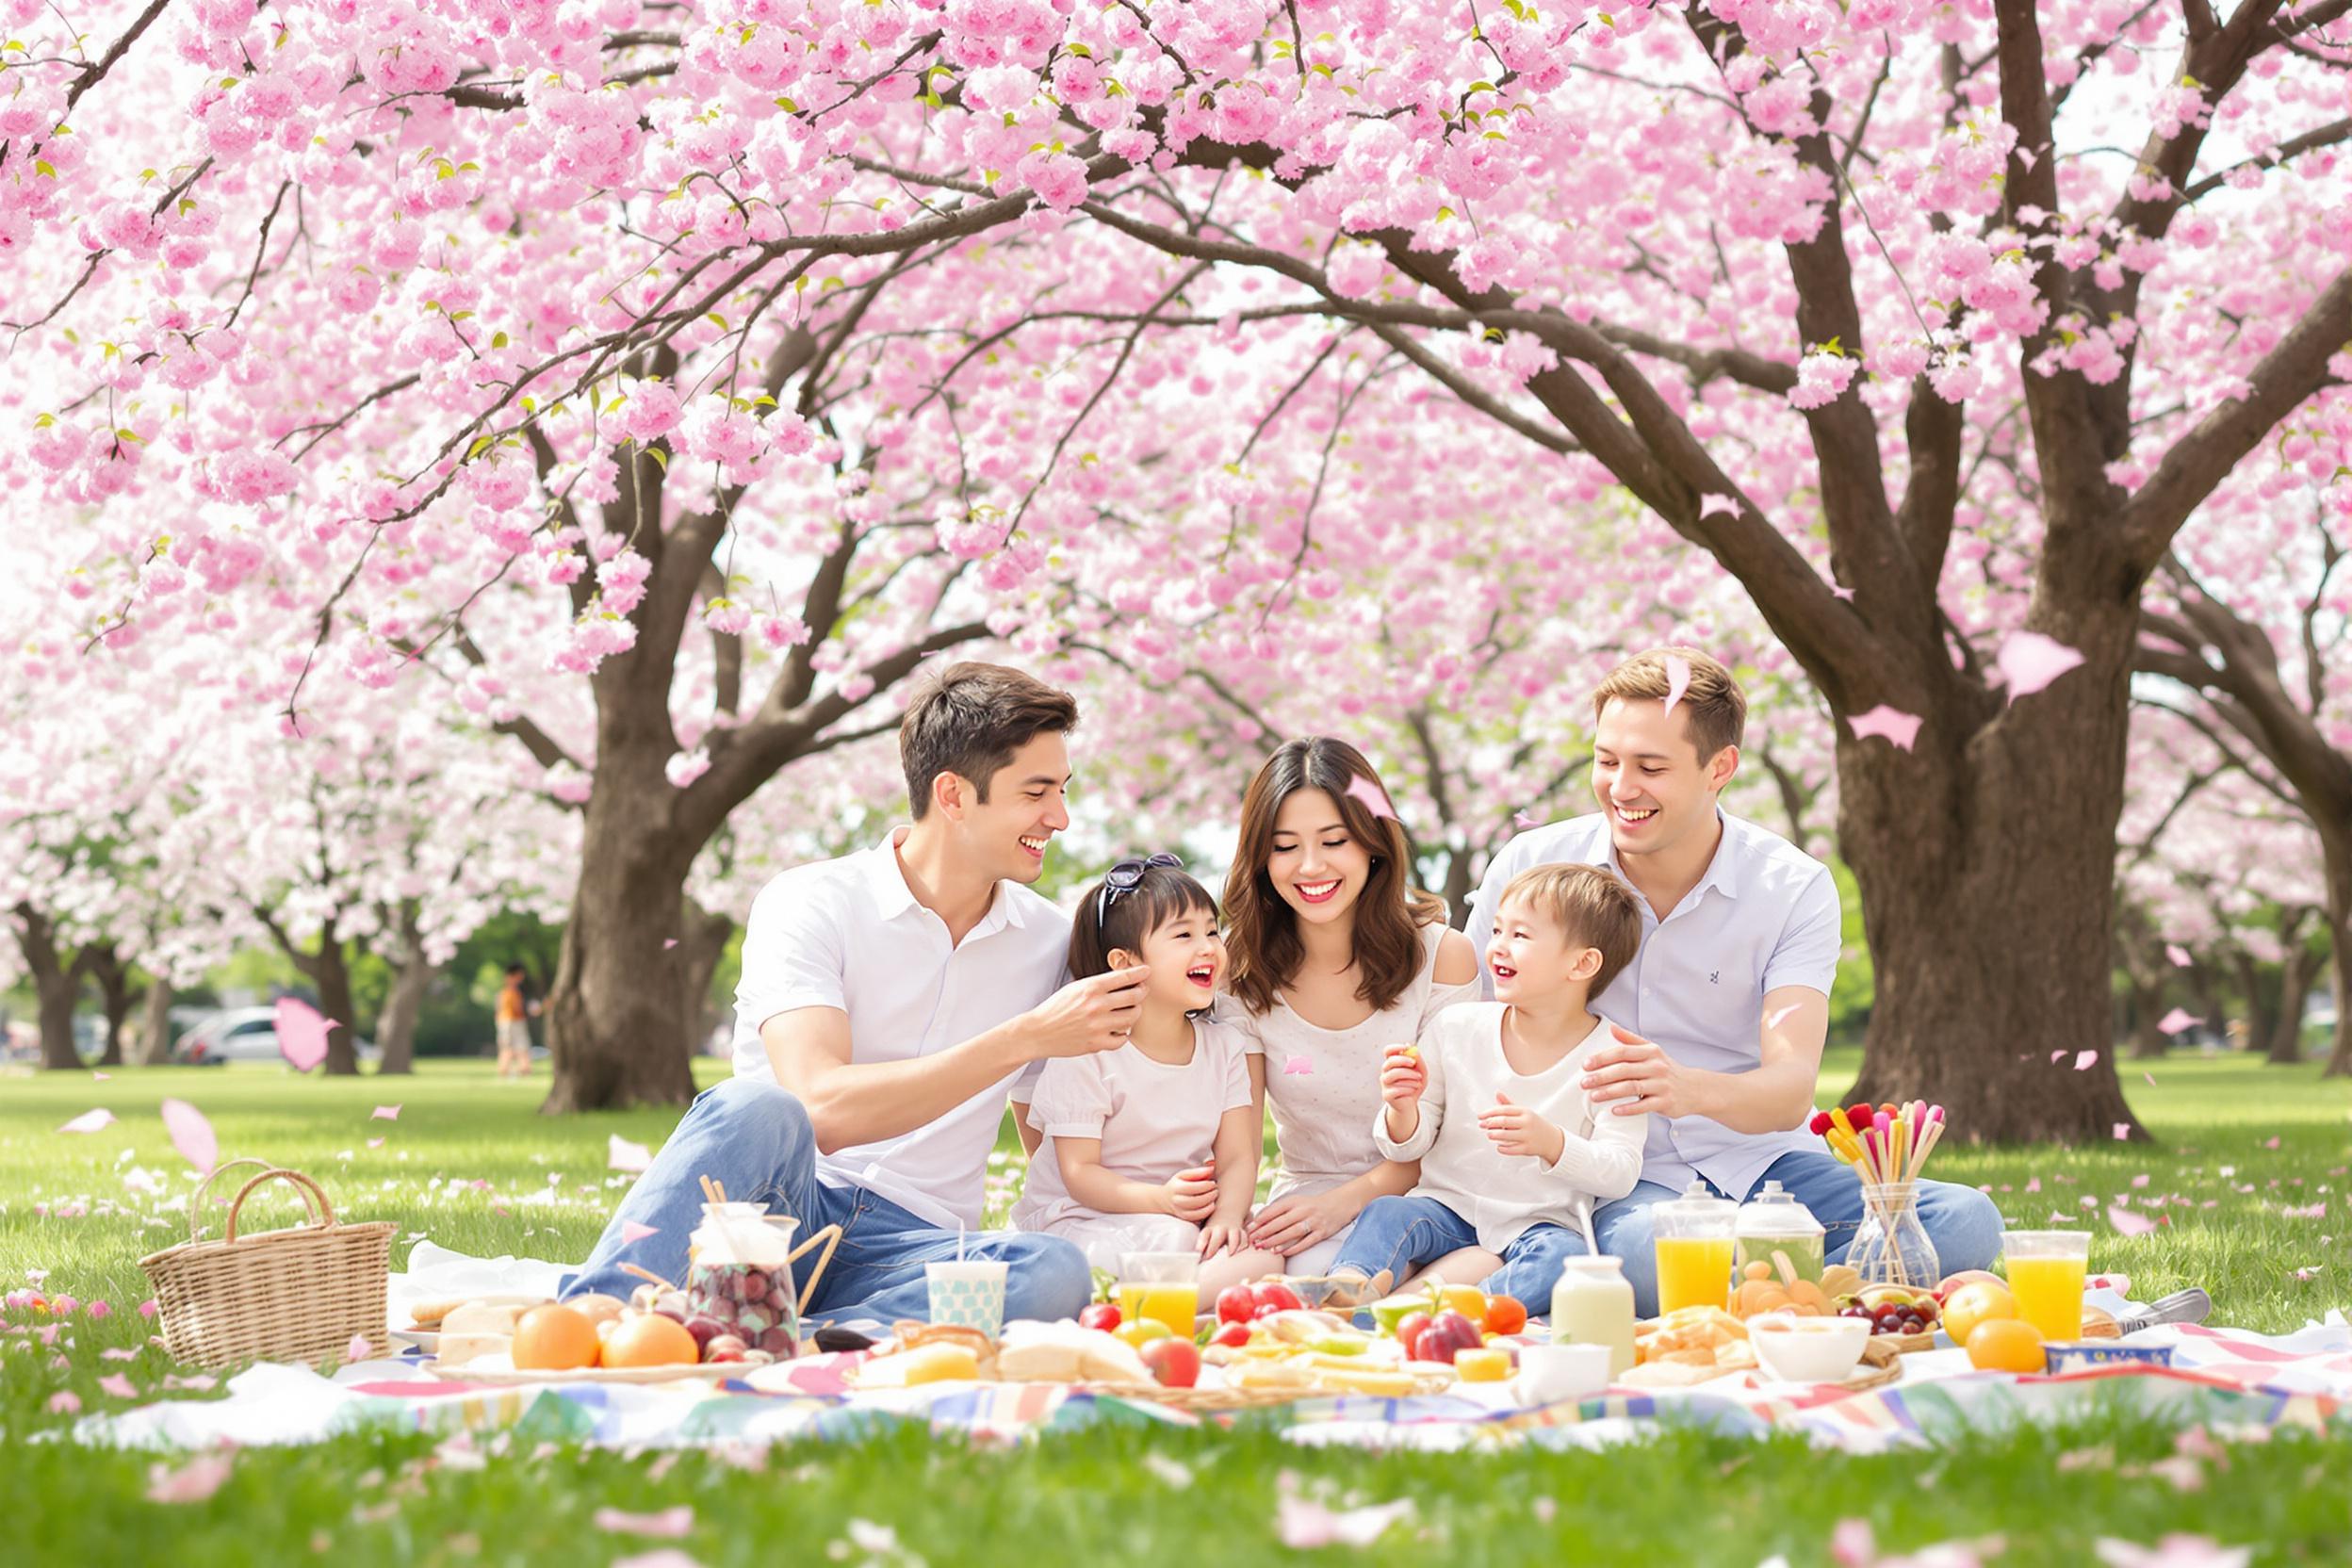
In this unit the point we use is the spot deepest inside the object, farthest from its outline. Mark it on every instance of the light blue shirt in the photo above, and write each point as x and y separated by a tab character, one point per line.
1764	915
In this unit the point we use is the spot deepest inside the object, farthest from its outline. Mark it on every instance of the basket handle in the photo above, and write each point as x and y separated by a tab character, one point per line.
322	1213
196	1199
831	1236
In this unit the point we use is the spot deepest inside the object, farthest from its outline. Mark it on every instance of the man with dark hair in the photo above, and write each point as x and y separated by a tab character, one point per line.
1741	933
890	1000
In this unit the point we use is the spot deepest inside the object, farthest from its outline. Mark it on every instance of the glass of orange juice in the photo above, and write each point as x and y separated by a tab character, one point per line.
2046	1274
1695	1245
1163	1287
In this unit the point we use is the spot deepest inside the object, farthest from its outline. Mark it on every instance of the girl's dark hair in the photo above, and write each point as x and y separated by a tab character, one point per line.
1261	931
1095	932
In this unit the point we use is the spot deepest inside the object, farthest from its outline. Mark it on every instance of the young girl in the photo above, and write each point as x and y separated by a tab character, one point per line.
1153	1146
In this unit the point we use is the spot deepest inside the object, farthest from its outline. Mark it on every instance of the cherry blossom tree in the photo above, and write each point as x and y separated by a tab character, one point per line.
856	332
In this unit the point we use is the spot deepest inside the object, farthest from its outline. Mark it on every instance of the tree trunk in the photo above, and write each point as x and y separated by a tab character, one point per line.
54	986
2298	966
2147	1010
1987	866
106	965
700	946
412	978
155	1029
2258	1014
395	1030
2336	852
613	1012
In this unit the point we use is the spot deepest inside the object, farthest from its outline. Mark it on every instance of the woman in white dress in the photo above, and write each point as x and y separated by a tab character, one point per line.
1334	955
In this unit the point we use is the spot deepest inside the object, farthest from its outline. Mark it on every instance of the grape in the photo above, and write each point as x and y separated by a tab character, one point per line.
705	1329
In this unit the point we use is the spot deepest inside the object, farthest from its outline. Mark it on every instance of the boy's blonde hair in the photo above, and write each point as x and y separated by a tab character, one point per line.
1715	709
1590	907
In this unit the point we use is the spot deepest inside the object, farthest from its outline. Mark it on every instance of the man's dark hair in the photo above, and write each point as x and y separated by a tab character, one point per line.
969	719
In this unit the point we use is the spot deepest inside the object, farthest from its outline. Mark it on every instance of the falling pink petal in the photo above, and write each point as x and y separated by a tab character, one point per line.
1891	724
1299	1067
2151	1079
2178	955
1362	789
90	1121
2031	662
2057	1055
1525	819
1714	505
359	1349
2176	1020
621	1154
385	1113
2128	1223
668	942
192	1135
2123	1131
192	1483
302	1032
2271	1142
671	1524
1845	593
2086	1060
118	1385
64	1402
100	1077
633	1230
375	1143
1678	680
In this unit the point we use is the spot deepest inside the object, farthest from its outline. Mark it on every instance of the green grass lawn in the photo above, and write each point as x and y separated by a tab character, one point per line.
469	1164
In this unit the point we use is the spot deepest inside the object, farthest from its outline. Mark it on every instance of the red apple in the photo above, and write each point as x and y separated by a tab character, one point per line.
1100	1314
1449	1332
1236	1304
1409	1329
1275	1297
1175	1363
1232	1335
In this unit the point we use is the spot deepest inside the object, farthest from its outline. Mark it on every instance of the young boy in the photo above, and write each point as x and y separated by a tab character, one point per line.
513	1029
1514	1154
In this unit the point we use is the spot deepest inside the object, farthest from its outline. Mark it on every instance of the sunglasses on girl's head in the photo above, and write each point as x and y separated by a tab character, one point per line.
1124	878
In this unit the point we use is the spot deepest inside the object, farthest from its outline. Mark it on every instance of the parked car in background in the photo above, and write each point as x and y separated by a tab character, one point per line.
241	1035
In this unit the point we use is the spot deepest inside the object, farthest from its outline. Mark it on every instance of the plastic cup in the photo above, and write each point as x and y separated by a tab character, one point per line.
2046	1273
1163	1287
970	1293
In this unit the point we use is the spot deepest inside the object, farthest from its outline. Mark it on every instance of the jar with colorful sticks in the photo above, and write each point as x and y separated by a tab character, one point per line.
1888	1146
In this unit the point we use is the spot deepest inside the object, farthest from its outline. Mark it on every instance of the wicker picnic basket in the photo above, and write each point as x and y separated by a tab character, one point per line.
297	1295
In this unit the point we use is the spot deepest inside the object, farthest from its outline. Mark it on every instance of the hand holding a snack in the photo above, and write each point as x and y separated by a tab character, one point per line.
1403	1079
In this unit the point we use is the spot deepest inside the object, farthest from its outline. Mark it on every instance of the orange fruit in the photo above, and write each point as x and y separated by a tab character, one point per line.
1976	1303
554	1339
651	1340
2005	1345
1505	1314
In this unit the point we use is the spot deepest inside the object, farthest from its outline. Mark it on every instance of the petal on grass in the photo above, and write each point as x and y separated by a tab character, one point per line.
385	1113
1304	1524
2128	1223
621	1154
90	1121
670	1523
192	1483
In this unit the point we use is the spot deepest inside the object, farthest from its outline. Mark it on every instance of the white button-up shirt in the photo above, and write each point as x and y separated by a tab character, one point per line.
849	934
1764	915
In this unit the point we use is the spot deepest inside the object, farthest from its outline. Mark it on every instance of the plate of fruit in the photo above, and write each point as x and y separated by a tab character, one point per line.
1901	1315
655	1336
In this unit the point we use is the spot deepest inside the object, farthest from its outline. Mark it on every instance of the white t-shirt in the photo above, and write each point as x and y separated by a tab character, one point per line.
848	934
1502	1195
1764	916
1324	1085
1155	1119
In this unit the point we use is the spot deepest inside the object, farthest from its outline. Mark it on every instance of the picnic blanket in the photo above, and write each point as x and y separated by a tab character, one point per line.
2219	1376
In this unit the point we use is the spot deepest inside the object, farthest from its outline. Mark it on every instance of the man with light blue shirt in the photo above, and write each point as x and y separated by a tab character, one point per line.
1728	997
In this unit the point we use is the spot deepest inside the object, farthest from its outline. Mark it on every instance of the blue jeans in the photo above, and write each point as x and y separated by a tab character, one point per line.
755	1140
1401	1235
1964	1223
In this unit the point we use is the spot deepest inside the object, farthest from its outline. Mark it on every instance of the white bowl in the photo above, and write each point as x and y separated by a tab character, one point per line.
1808	1349
1551	1374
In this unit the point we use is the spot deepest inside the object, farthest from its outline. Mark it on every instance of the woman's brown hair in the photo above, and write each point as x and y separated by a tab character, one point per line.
1261	931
